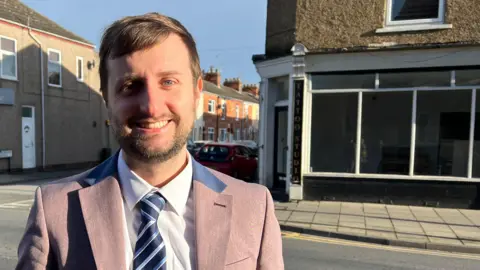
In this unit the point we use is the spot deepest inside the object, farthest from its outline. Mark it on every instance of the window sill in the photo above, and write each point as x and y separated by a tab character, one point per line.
55	86
413	27
9	79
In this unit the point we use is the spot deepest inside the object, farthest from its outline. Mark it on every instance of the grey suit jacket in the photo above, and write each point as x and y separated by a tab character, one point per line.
76	223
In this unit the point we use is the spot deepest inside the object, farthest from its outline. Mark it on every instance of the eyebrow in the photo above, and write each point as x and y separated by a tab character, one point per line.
168	73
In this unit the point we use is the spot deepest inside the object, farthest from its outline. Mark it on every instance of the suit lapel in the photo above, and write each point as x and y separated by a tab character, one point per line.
213	213
102	209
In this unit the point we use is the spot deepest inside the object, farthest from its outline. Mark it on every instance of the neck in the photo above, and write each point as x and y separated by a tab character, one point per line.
158	174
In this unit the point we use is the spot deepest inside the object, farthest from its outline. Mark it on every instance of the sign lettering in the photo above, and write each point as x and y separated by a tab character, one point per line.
297	132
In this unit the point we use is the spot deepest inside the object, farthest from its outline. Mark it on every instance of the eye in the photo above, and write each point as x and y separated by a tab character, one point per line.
131	86
168	82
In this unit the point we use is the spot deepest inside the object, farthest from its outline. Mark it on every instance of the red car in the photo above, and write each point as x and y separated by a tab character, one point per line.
232	159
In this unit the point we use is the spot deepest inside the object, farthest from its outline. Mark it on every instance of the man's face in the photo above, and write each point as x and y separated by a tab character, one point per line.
152	98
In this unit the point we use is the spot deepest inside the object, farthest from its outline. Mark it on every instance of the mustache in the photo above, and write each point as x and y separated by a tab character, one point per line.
146	117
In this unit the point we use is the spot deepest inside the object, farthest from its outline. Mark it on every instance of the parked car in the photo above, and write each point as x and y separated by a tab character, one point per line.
232	159
252	145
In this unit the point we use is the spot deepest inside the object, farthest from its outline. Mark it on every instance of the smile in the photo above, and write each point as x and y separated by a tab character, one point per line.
153	125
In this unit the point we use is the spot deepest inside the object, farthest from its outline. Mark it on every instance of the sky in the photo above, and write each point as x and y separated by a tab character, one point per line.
227	32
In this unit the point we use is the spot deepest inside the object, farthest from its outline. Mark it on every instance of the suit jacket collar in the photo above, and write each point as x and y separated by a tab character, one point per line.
102	204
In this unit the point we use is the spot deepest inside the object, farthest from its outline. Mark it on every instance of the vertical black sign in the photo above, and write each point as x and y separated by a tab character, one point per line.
297	132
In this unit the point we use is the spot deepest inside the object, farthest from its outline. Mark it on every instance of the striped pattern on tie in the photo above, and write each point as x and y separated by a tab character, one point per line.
150	251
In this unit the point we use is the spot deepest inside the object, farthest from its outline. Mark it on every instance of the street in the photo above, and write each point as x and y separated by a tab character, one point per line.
300	251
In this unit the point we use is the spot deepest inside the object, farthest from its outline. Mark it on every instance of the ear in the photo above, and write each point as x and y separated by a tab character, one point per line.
198	90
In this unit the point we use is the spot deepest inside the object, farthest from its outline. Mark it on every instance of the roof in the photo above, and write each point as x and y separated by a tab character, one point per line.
228	92
16	11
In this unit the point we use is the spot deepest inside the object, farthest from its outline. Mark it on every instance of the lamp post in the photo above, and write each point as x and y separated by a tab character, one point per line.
298	75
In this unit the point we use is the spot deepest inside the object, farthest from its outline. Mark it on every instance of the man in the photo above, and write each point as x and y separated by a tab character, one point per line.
151	206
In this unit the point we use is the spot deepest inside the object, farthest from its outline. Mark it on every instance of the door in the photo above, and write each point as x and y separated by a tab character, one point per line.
281	147
28	137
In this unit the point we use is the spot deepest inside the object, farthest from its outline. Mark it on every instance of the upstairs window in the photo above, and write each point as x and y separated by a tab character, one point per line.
8	58
79	69
401	12
54	68
211	106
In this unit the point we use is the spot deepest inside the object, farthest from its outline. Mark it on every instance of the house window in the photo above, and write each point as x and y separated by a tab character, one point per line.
237	134
245	112
237	112
223	134
54	68
79	69
211	106
211	134
8	58
415	11
224	110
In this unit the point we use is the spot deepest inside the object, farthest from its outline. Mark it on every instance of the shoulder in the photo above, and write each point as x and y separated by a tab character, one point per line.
61	187
243	191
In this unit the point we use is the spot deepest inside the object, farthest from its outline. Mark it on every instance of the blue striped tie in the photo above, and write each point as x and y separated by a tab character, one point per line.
150	251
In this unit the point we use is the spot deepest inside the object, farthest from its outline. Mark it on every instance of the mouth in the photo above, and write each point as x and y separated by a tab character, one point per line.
150	126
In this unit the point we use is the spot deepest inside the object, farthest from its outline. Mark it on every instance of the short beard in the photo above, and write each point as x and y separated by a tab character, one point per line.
133	145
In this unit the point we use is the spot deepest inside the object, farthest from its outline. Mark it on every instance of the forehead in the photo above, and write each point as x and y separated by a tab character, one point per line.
168	54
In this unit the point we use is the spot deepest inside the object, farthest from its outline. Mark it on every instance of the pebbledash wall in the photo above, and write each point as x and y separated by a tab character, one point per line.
393	122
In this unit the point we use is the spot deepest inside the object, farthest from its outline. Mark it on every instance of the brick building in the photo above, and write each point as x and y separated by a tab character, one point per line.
51	110
227	111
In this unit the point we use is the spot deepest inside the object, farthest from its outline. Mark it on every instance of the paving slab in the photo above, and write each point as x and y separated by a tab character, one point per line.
330	219
327	228
466	232
282	215
471	243
453	217
412	237
448	241
301	217
380	234
472	215
359	225
299	224
353	231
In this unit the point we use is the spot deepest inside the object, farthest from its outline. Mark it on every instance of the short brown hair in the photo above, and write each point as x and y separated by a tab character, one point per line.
134	33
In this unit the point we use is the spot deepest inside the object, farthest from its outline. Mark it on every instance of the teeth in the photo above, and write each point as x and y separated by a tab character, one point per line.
159	124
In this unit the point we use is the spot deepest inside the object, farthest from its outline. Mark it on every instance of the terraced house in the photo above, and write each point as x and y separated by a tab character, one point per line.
379	97
227	111
51	110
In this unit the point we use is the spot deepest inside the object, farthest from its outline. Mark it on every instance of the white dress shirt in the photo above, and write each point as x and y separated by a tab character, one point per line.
176	222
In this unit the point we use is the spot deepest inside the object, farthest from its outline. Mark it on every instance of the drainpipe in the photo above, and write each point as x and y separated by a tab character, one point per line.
42	89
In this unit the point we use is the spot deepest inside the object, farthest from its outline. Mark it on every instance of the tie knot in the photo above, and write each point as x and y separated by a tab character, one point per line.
152	204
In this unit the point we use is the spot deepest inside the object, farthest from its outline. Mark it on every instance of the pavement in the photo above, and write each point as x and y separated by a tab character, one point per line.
32	177
453	230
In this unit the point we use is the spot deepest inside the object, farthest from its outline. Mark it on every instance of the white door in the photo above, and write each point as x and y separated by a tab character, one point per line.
28	137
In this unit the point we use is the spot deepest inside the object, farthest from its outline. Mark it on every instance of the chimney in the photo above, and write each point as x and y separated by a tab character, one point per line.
234	83
213	76
251	88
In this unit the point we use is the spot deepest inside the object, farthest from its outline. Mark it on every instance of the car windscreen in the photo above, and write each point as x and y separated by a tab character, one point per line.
214	153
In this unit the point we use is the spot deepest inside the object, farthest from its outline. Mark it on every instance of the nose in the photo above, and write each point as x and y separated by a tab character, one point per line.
152	99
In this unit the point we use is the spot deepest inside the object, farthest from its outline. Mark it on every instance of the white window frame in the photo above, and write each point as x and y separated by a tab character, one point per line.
439	19
211	131
78	58
211	102
220	134
224	108
9	53
307	170
245	112
237	112
59	62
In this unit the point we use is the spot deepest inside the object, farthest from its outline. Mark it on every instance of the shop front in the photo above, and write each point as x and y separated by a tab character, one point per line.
394	127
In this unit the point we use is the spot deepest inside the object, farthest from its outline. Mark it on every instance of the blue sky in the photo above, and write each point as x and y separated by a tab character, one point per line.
227	32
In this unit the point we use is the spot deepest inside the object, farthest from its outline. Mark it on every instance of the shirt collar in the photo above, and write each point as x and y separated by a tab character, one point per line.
134	188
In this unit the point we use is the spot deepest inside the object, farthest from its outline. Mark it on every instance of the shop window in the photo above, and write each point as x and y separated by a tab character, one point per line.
386	133
467	77
343	81
414	11
333	134
415	79
443	128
